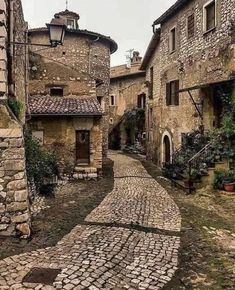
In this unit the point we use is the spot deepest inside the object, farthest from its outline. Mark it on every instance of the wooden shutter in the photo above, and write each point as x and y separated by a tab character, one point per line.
168	94
176	93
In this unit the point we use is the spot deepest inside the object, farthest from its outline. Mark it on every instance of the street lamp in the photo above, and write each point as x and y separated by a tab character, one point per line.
56	29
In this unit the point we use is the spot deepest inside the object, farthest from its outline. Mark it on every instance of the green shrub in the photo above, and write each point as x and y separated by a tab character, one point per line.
16	106
40	163
222	176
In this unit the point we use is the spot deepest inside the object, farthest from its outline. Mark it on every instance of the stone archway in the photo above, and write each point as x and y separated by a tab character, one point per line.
167	148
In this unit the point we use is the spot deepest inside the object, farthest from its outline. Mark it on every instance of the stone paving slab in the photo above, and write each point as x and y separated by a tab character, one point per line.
99	257
136	199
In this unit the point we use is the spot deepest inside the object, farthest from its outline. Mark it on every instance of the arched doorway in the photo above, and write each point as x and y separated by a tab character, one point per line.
167	149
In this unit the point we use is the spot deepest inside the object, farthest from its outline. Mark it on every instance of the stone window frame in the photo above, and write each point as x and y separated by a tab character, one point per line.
74	23
172	48
56	88
111	121
172	99
205	6
141	101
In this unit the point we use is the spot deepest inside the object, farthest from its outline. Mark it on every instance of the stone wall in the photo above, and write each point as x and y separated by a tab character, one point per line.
204	58
14	205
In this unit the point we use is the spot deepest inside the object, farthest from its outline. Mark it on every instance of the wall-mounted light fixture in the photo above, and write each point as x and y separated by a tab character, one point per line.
56	29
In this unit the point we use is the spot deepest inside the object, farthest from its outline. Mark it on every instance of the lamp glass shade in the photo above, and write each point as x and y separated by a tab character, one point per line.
57	32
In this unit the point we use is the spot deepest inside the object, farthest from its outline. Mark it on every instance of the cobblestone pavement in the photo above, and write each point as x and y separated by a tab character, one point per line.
137	198
117	256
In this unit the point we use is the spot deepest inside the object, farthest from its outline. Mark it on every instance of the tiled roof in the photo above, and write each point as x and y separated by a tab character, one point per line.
125	71
91	34
67	12
47	105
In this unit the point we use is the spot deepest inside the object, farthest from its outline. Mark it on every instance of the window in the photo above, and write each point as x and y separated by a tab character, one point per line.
71	24
111	121
209	16
112	101
151	83
141	101
173	39
38	135
99	100
56	92
172	93
191	25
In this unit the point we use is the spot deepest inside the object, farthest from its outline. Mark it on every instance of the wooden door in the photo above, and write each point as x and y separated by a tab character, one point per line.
83	147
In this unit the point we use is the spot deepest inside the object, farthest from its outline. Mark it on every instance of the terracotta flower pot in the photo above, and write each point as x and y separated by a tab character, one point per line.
229	187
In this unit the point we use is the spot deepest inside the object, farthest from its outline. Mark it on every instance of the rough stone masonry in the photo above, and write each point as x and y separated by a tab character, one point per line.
14	204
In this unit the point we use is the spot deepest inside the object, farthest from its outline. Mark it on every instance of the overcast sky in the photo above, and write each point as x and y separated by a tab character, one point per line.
128	22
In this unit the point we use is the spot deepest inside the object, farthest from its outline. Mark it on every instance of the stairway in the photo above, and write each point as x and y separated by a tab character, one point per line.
85	172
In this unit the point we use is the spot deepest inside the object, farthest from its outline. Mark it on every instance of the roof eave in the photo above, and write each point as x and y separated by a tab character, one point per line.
139	73
112	43
66	115
171	11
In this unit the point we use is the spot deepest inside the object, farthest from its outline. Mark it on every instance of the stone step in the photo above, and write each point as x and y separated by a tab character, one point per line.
81	169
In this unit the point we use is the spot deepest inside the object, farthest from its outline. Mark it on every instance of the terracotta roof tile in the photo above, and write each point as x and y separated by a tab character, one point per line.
47	105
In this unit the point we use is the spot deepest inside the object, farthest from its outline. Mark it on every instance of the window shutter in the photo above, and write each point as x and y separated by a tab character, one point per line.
177	93
168	94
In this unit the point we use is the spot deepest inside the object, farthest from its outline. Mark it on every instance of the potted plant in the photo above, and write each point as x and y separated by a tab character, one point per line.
229	187
224	179
229	181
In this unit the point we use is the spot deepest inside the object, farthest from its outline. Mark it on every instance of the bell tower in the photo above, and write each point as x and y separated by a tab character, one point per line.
71	18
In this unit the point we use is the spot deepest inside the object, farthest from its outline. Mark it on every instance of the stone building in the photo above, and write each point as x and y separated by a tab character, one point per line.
69	95
127	93
14	204
190	59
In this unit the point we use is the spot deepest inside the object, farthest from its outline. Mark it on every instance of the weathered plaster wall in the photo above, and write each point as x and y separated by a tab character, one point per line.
204	58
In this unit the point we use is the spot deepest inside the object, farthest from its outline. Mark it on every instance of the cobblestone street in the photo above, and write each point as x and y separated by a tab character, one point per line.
130	241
